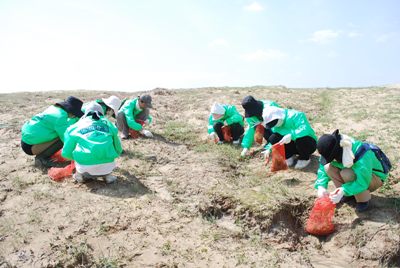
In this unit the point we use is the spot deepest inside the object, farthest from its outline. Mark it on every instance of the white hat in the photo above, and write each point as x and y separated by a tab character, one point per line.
113	102
93	107
217	109
271	113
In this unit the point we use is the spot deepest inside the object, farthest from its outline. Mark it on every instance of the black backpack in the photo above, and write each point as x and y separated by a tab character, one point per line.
385	162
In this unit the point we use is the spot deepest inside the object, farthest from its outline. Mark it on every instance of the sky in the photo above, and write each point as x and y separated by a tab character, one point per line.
132	45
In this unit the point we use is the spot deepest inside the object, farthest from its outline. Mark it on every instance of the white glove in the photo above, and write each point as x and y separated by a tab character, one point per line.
147	122
147	133
286	139
212	136
337	195
266	153
322	192
244	152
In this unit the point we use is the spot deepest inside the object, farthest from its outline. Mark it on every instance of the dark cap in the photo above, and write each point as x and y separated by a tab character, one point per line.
72	105
252	107
328	146
146	99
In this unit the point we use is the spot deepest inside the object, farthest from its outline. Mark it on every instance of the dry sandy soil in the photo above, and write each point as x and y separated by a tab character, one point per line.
180	202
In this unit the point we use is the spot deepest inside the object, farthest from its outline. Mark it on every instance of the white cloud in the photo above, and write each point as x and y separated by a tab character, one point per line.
254	7
354	34
324	36
219	42
263	55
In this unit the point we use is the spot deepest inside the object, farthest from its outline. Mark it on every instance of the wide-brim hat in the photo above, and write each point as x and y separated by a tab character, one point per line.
72	105
113	102
328	146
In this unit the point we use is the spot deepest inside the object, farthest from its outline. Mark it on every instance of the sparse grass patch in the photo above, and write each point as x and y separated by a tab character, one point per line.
179	132
166	248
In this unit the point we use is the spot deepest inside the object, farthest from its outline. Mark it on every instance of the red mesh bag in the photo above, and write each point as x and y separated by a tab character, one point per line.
259	135
226	131
56	157
133	133
58	174
321	216
278	158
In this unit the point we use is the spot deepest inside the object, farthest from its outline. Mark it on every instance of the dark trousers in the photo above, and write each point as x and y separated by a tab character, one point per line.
304	146
237	130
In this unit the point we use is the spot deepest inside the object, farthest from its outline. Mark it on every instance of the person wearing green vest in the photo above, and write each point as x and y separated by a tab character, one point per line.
291	128
93	144
110	105
132	113
253	115
43	134
225	114
356	170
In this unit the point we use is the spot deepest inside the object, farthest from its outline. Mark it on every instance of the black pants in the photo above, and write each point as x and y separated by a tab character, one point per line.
236	129
304	146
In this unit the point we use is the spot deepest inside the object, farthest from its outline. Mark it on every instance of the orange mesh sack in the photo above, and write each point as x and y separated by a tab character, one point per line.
56	157
259	135
226	131
133	133
321	216
58	174
278	158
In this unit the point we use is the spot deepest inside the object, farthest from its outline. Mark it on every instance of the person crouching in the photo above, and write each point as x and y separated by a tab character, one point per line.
93	144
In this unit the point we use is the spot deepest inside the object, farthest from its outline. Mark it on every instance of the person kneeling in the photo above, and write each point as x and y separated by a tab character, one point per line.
225	114
356	168
93	144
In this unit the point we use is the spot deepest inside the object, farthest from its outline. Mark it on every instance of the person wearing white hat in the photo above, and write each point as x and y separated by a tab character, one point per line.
220	115
291	128
109	105
93	144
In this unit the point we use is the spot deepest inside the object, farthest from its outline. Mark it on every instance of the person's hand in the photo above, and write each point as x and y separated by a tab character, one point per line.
244	152
322	192
266	153
212	136
147	133
337	195
286	139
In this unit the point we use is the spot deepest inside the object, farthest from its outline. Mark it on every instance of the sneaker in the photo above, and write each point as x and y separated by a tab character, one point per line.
236	142
78	177
220	142
290	161
362	206
302	164
110	178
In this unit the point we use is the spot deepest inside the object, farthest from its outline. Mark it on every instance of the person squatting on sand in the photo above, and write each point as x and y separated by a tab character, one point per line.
356	168
291	128
93	144
43	134
132	113
253	115
220	115
109	105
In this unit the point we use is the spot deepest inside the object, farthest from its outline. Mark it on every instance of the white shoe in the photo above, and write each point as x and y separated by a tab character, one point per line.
110	178
290	161
236	142
78	177
220	142
302	164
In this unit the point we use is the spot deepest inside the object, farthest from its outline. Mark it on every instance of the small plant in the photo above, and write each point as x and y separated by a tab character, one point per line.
166	248
105	262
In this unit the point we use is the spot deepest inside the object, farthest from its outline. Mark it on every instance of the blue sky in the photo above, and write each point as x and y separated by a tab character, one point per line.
140	45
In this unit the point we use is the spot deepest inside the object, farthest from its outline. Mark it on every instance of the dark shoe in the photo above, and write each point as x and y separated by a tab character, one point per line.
43	162
362	206
348	199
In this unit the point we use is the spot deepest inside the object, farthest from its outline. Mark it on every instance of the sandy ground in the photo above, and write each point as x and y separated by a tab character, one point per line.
180	202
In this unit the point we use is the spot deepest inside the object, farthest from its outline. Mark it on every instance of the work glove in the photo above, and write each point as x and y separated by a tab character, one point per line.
213	136
337	195
322	192
147	133
286	139
266	153
244	152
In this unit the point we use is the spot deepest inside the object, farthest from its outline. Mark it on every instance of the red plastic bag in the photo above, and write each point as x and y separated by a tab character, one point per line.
226	131
321	216
133	133
58	174
259	135
57	158
278	157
